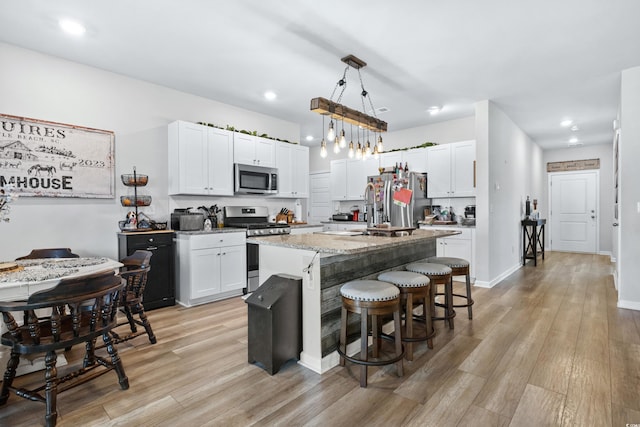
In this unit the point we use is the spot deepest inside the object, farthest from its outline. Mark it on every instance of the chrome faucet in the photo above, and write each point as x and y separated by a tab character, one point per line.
371	217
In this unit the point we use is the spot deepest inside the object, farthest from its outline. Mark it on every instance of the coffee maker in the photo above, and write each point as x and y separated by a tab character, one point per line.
469	215
470	211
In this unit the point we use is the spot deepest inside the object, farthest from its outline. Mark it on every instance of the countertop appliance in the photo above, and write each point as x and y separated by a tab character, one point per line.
184	220
250	179
398	200
255	219
342	217
470	211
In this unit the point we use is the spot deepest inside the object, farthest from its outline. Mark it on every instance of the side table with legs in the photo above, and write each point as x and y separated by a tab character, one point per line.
532	239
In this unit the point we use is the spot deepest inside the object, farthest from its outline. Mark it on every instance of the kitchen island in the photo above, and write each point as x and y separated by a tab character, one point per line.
325	262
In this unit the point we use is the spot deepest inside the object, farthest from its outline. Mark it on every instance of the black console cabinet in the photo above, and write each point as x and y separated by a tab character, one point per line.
160	290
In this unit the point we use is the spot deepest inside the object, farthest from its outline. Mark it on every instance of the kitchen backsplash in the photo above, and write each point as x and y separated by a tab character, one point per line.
274	204
457	203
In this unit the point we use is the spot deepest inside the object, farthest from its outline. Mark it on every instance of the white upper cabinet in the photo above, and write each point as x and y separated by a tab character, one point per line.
200	160
349	177
451	169
292	161
254	150
390	159
357	173
463	169
417	159
339	179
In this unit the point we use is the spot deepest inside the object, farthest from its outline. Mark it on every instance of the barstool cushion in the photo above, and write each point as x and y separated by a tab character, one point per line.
429	268
369	290
449	261
404	279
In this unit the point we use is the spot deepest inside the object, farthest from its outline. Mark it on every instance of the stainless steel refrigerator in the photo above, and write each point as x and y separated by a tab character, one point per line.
399	199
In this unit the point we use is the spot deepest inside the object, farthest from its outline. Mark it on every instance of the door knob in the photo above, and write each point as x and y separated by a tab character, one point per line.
592	216
615	224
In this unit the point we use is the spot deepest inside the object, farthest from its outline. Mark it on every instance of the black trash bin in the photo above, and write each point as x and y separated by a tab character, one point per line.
275	322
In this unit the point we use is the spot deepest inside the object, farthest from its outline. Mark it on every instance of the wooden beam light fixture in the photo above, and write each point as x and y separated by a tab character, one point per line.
342	113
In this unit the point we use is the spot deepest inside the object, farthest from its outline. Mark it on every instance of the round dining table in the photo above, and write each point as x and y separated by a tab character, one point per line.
22	278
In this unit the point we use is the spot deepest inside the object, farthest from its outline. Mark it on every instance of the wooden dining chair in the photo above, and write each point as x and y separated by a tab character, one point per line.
92	312
50	253
134	272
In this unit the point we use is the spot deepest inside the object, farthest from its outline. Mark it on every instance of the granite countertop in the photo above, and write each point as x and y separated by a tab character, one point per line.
41	269
330	221
294	225
457	225
212	231
337	244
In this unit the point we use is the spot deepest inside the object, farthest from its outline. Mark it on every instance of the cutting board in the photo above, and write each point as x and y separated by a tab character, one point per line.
390	231
8	267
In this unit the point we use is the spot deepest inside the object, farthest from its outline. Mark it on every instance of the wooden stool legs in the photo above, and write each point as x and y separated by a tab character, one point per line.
411	298
369	325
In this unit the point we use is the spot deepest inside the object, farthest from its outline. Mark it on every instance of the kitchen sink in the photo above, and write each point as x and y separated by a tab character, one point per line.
341	233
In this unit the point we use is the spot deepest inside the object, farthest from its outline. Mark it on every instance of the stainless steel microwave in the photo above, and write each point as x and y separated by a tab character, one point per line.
255	179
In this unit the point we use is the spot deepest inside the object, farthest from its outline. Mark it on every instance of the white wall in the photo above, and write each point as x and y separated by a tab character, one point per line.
629	173
508	169
440	133
605	207
43	87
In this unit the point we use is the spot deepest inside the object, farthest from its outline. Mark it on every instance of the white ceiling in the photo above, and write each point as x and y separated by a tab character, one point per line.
539	61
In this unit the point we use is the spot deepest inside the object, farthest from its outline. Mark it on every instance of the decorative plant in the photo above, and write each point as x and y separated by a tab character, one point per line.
6	197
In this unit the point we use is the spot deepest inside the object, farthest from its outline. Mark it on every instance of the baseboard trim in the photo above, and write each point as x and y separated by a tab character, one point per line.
500	278
606	253
630	305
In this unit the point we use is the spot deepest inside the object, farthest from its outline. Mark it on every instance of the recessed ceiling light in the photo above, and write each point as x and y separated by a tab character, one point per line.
270	95
573	140
309	138
565	123
575	128
72	27
434	110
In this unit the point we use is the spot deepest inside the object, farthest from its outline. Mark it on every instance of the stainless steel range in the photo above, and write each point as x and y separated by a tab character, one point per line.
256	221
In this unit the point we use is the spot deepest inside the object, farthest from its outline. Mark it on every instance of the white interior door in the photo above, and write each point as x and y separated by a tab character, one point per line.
319	197
574	211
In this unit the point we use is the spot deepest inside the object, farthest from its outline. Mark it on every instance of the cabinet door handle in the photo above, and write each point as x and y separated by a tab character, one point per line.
152	248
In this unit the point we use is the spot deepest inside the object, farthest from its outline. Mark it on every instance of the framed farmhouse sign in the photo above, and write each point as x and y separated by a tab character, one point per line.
573	165
40	158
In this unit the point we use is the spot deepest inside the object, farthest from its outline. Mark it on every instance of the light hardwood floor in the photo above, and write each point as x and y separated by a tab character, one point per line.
547	346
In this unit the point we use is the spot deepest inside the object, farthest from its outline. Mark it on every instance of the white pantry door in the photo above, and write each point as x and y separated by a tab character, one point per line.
574	211
319	197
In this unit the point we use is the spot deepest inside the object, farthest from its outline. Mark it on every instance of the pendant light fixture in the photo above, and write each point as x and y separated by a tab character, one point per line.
351	150
323	144
343	139
337	111
331	133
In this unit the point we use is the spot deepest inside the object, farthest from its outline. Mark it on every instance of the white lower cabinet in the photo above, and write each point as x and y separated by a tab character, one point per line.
457	246
210	267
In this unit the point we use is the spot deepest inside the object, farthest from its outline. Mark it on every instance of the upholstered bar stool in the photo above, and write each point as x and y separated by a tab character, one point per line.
414	288
459	267
370	298
438	274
